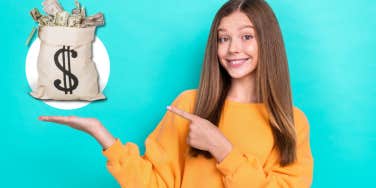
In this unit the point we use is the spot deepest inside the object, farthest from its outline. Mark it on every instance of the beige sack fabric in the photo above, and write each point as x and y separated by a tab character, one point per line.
65	66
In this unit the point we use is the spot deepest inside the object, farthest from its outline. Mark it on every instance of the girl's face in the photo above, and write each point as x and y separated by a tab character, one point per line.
237	45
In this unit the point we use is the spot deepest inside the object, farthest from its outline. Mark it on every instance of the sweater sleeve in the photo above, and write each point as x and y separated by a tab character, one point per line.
162	163
243	170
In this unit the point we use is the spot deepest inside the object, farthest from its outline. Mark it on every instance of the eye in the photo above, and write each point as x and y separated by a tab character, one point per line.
247	37
222	39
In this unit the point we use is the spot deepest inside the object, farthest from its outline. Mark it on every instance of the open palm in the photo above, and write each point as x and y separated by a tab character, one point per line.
91	126
79	123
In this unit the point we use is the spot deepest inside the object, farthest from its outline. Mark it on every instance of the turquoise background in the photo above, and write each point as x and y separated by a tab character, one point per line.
156	50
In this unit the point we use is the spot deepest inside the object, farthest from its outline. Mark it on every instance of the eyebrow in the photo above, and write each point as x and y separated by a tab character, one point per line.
240	28
247	26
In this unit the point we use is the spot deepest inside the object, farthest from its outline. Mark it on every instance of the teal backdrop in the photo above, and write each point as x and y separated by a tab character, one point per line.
156	50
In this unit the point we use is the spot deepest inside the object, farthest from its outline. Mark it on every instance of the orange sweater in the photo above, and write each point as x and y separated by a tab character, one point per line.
252	163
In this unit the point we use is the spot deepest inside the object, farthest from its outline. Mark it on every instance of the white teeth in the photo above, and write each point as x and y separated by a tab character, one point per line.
236	62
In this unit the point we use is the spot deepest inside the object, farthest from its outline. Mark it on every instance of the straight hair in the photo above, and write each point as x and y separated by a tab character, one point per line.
272	77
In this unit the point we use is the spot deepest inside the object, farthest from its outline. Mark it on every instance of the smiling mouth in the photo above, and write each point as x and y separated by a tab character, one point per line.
237	62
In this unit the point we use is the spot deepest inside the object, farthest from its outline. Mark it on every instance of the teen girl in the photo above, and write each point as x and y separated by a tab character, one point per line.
239	129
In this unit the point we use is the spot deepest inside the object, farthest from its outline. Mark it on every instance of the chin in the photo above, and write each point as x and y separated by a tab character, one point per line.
237	76
240	74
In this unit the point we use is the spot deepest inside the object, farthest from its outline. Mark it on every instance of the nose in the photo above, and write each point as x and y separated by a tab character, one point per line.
234	46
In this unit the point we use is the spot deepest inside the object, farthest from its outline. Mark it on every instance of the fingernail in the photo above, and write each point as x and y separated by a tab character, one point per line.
168	107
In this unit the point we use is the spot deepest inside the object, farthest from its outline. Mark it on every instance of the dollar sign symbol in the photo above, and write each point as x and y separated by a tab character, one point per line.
65	67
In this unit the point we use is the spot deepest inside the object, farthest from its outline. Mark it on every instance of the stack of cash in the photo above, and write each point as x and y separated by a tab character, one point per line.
57	16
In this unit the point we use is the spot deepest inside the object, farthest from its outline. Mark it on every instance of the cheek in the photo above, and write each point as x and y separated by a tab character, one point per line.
222	50
252	50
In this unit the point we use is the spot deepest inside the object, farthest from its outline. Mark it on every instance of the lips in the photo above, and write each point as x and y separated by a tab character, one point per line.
234	63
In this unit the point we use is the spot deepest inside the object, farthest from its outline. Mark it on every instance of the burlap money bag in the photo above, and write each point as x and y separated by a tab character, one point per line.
65	67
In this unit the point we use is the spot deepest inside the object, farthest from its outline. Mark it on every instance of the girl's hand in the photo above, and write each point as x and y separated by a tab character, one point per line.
89	125
204	135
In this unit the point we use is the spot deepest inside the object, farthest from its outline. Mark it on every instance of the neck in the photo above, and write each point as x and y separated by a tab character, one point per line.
243	89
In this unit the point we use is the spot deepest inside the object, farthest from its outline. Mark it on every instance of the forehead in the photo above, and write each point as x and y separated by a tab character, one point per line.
234	21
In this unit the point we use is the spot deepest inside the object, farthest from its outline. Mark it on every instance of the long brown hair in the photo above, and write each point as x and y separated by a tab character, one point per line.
272	77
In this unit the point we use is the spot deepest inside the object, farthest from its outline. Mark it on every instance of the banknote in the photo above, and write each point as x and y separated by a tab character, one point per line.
52	7
35	14
74	20
61	18
57	16
95	20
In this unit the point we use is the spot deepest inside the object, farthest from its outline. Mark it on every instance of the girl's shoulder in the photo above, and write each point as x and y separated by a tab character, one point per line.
188	94
185	100
300	120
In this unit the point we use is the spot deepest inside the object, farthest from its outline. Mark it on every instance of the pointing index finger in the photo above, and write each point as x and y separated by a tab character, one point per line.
181	113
